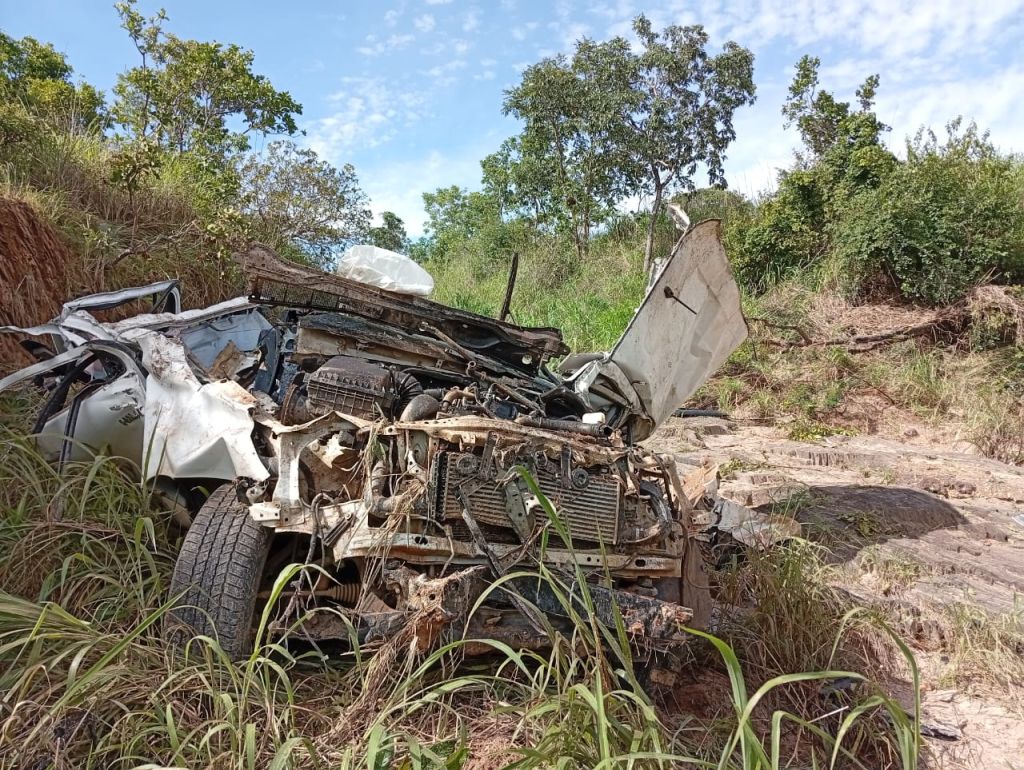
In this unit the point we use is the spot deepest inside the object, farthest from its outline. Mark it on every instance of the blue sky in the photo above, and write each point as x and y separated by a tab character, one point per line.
410	91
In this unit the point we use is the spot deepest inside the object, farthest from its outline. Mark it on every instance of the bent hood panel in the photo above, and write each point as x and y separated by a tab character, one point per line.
670	348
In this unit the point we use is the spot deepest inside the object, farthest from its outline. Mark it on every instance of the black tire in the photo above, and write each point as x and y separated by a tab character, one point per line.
219	569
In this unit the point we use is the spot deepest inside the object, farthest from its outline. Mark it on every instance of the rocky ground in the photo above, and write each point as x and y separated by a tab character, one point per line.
919	524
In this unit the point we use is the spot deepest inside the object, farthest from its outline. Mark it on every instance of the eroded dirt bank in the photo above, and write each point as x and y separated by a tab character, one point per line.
36	275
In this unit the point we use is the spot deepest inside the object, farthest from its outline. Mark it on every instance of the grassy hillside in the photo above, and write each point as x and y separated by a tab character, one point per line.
883	295
591	303
120	236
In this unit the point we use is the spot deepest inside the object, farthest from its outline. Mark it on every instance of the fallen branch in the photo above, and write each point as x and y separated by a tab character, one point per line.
998	303
862	343
787	327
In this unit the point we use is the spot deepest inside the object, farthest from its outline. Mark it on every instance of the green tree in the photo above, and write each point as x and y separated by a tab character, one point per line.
390	234
301	205
714	203
680	111
36	79
562	165
612	122
843	156
187	95
519	183
455	216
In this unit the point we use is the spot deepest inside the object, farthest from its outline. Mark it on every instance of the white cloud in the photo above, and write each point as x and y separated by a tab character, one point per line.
444	74
424	23
762	146
368	112
522	32
620	9
936	60
993	101
375	46
894	29
571	33
389	187
434	48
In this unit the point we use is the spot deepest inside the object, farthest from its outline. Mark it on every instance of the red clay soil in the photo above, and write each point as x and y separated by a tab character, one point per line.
37	274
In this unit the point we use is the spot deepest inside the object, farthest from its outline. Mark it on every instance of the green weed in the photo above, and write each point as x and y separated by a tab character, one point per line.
88	681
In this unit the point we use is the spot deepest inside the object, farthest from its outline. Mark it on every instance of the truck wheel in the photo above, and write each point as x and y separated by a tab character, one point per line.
219	569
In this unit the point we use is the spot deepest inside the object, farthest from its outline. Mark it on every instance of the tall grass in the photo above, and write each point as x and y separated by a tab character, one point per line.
87	681
590	301
119	237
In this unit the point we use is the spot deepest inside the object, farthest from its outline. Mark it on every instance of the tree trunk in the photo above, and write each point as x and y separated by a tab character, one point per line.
586	238
577	241
649	246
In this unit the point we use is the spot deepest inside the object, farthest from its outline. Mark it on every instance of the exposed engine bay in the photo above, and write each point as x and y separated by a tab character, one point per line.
416	453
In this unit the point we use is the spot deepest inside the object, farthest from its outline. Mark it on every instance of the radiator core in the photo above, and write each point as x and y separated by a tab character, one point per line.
592	514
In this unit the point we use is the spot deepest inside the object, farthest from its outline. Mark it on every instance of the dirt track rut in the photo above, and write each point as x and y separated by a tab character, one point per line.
951	523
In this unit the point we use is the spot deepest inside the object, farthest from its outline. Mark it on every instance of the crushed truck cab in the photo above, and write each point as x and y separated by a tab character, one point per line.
416	453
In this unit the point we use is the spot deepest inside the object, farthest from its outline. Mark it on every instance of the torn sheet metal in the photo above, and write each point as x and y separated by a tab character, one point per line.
42	368
208	340
688	325
107	300
194	430
275	281
109	420
750	527
127	328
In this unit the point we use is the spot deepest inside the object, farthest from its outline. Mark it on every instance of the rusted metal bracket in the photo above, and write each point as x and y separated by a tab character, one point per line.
644	617
484	470
565	459
496	566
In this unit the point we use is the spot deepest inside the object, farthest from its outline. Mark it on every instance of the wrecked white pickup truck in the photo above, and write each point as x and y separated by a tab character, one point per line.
398	444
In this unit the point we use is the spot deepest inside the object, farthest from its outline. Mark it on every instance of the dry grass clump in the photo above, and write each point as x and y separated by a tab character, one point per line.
982	649
88	681
965	378
782	612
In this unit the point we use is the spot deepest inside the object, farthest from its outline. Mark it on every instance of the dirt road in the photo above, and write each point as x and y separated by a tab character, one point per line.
934	535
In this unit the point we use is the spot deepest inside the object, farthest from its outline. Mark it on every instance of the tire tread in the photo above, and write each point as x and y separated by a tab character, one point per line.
219	569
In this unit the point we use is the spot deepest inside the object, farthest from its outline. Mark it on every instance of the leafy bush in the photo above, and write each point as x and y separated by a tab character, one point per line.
784	237
849	213
946	219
